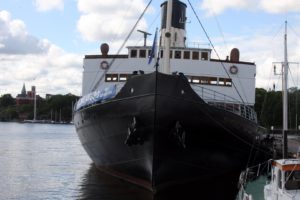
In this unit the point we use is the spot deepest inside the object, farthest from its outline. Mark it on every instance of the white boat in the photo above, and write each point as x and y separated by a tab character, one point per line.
285	180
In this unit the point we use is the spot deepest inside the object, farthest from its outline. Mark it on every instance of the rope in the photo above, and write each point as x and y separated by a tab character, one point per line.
213	47
120	49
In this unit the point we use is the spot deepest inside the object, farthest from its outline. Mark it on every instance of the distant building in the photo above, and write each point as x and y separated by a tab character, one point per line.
26	97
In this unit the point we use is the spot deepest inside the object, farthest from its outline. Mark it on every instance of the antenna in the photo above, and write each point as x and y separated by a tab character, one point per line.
145	36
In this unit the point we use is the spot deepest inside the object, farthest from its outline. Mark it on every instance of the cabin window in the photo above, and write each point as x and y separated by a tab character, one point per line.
142	53
195	79
204	80
195	55
123	77
221	81
225	82
178	54
161	53
186	55
213	81
111	78
204	55
292	180
133	53
228	82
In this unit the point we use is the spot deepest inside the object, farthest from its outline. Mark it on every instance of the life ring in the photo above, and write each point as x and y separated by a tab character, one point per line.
233	69
104	65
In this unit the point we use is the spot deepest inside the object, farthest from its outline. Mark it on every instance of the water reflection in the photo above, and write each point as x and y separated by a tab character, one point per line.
98	185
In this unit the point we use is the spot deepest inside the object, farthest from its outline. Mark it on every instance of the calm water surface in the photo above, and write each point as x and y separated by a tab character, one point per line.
45	161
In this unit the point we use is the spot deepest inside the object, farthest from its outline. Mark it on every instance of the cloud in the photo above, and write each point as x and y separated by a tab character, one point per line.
27	59
279	6
54	69
217	7
264	50
14	38
108	20
47	5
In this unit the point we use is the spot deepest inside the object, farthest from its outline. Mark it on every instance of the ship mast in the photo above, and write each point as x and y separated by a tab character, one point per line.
166	66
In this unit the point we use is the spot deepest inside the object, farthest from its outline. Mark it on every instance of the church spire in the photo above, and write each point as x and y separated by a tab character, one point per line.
23	92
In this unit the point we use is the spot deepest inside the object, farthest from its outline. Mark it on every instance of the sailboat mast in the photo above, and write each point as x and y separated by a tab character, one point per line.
166	66
34	109
284	82
285	66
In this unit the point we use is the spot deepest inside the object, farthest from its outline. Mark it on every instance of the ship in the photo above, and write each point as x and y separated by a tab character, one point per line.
183	121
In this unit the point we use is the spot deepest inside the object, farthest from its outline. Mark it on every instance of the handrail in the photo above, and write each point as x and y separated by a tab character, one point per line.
225	102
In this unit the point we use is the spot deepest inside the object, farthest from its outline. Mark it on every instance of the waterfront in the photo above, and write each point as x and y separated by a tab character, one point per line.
45	161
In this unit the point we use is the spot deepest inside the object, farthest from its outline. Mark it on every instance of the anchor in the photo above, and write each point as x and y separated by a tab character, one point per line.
134	135
178	134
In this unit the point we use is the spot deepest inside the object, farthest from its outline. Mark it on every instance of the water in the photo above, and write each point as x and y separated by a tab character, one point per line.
45	161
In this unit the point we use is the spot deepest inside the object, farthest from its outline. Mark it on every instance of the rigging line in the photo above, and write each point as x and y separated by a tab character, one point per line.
121	24
120	49
220	29
295	32
213	47
291	76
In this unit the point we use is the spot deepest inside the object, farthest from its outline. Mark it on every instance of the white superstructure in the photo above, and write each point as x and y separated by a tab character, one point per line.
195	64
219	82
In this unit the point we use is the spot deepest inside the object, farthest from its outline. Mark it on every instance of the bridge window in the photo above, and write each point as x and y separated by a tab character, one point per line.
133	53
186	55
204	55
195	55
142	53
178	54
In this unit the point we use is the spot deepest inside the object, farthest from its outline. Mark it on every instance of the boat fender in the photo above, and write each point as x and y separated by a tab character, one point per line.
178	135
134	135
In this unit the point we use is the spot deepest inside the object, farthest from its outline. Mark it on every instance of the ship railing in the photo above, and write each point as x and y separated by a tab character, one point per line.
225	102
197	45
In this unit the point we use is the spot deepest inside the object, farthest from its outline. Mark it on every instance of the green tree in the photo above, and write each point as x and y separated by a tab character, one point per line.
7	100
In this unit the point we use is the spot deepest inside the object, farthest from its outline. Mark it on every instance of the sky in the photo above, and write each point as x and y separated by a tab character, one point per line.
43	42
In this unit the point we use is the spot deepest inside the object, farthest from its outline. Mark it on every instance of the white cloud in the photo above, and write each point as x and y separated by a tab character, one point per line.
263	50
280	6
217	6
46	5
27	59
108	20
49	71
276	6
14	38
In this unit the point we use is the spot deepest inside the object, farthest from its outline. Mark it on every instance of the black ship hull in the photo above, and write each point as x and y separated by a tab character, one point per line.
159	134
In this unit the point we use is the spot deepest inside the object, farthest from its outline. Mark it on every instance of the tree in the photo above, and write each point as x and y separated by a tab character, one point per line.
6	100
